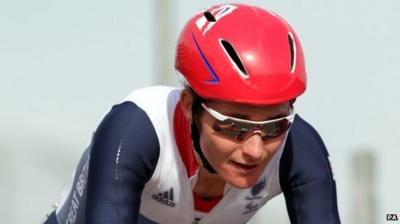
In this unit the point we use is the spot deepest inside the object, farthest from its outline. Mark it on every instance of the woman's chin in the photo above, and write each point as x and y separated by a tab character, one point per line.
240	181
242	177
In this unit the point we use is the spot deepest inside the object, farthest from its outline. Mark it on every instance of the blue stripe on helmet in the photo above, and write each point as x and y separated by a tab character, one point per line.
215	79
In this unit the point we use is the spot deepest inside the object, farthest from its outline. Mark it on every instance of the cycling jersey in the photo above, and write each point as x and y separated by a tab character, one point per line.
140	168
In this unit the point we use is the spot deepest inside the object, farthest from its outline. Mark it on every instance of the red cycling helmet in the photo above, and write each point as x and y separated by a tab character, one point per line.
241	53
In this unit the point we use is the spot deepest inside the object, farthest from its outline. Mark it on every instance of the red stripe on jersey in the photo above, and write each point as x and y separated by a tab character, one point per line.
184	141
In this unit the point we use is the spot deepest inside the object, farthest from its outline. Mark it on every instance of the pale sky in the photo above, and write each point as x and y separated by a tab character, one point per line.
63	64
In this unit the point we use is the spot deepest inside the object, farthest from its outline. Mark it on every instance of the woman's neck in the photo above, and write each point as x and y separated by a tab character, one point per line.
208	186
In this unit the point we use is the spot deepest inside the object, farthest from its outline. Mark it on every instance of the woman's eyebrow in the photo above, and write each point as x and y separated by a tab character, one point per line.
236	115
279	116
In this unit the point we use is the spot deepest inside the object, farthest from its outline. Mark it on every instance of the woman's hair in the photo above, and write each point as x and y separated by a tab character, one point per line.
197	100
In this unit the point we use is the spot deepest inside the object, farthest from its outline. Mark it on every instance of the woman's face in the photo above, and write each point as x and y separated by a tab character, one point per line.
240	163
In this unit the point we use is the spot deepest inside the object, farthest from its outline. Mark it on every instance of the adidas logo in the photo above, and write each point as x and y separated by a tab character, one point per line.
166	197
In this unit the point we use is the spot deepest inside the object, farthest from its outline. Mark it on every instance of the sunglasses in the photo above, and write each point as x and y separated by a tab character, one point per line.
240	129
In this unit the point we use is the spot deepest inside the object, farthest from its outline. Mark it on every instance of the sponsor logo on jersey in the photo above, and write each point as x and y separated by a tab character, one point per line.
255	199
166	197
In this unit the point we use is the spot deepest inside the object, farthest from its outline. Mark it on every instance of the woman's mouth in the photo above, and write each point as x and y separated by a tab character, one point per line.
245	168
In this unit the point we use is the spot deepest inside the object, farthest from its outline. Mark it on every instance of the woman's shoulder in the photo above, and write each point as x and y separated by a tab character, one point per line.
305	157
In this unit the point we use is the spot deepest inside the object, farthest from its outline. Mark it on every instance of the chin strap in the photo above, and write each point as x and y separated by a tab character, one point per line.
196	138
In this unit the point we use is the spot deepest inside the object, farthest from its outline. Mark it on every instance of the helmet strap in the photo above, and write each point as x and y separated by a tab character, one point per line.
196	137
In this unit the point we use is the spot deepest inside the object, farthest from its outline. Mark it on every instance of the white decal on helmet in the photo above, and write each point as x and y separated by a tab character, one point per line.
218	14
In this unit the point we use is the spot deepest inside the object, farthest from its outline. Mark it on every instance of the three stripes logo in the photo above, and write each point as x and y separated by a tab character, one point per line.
166	197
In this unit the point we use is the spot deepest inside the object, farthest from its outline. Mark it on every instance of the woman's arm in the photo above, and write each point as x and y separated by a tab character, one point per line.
306	177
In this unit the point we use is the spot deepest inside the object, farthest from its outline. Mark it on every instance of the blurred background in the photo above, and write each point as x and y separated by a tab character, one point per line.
63	64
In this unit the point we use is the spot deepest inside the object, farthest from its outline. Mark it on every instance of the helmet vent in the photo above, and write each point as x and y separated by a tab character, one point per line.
292	52
209	16
234	57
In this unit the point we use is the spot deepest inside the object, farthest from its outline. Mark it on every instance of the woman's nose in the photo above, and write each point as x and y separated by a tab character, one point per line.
253	147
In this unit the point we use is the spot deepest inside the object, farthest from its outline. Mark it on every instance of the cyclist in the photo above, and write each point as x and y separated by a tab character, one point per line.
216	150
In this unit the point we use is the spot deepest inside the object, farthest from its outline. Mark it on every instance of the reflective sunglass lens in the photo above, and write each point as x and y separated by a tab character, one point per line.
239	131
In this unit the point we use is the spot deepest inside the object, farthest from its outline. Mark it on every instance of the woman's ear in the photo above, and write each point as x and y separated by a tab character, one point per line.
187	102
